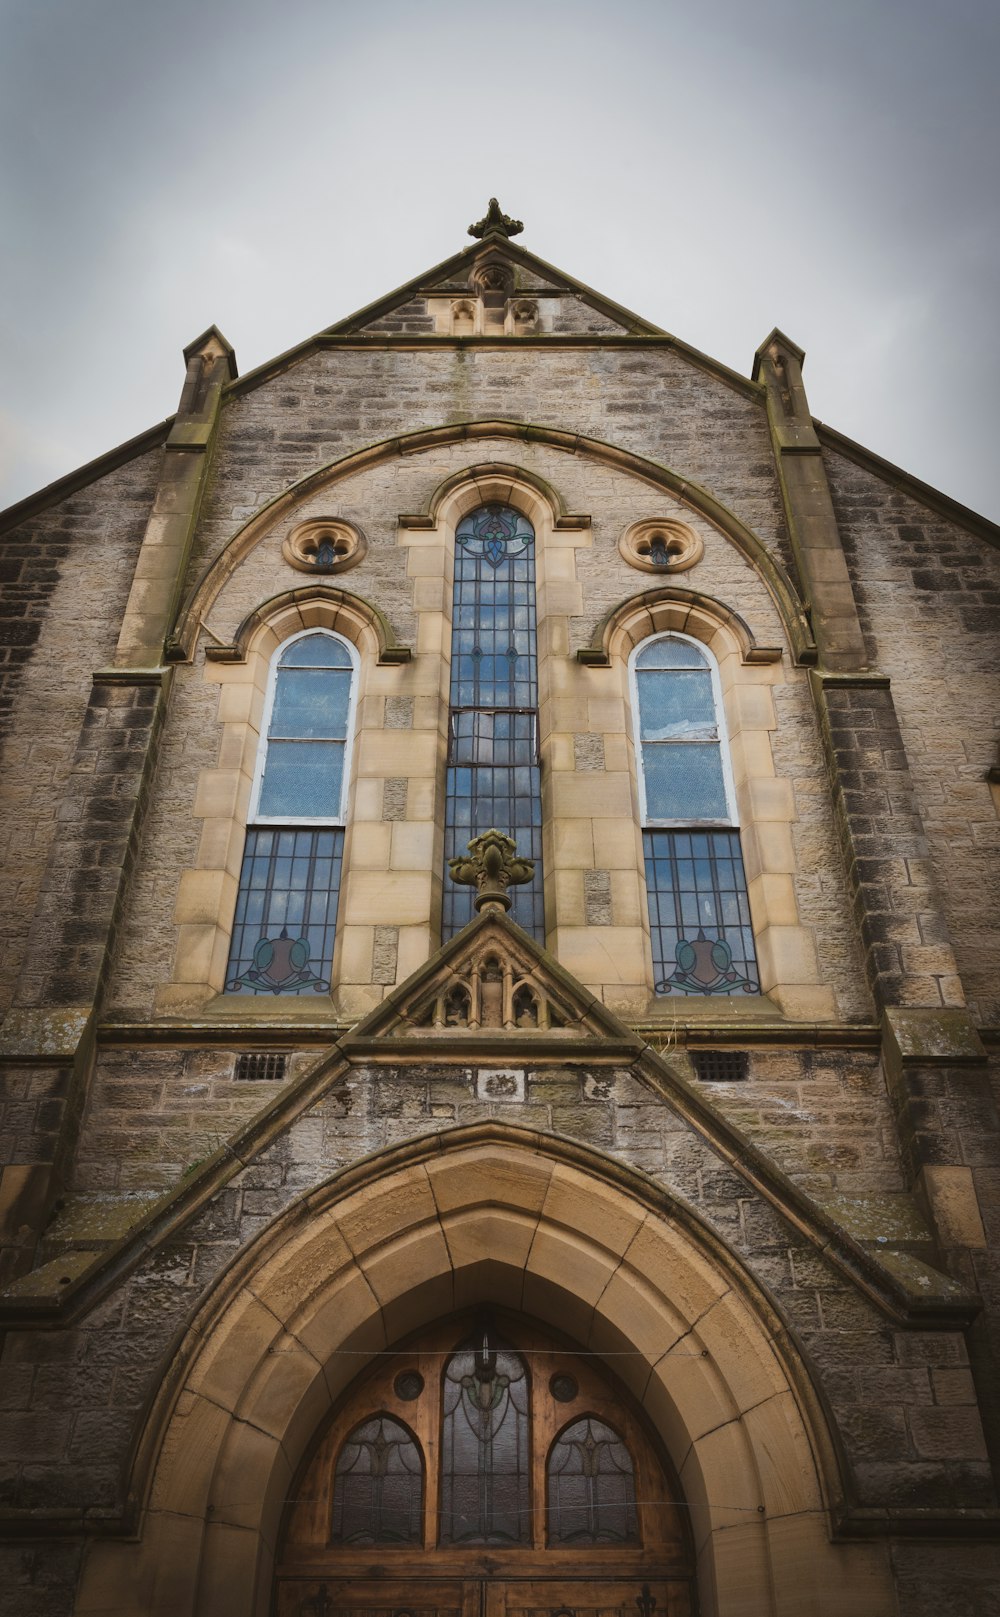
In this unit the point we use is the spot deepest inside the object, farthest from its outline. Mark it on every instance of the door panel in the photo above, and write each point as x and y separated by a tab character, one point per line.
537	1597
381	1597
591	1598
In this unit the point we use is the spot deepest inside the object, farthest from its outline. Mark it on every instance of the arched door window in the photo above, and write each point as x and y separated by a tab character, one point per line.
537	1485
286	908
699	913
378	1486
485	1453
591	1486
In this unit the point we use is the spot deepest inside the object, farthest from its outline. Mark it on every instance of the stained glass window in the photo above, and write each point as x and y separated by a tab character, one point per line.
286	911
485	1458
378	1486
591	1487
286	907
493	775
699	912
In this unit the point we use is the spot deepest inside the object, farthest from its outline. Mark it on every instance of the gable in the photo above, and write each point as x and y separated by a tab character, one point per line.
485	284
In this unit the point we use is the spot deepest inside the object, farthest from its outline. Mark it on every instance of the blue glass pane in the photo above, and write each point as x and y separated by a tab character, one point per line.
302	779
684	781
674	704
671	653
316	651
310	702
493	777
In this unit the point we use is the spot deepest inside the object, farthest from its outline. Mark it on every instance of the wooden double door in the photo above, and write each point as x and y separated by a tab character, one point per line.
485	1470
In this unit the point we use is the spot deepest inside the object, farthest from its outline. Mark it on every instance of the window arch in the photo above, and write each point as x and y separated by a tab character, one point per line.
699	913
286	907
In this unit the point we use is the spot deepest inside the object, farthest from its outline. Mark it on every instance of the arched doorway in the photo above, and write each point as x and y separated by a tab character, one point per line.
485	1469
487	1215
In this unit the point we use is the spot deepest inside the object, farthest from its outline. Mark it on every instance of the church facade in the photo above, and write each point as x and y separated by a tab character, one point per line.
500	990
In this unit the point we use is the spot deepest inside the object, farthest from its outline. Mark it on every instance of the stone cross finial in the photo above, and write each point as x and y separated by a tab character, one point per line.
491	866
496	223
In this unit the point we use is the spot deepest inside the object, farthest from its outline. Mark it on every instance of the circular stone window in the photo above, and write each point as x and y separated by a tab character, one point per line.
661	546
324	545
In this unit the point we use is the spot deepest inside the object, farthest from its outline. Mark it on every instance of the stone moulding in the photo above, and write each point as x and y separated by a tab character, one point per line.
390	651
490	474
671	606
791	610
514	1150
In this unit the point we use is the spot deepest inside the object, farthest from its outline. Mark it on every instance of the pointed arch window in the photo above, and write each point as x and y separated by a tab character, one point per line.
699	913
378	1486
485	1447
493	772
286	908
591	1486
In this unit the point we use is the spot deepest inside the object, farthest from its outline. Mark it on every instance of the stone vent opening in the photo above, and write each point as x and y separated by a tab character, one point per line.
721	1066
259	1066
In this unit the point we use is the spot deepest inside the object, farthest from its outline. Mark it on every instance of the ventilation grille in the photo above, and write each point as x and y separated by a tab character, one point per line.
259	1067
721	1066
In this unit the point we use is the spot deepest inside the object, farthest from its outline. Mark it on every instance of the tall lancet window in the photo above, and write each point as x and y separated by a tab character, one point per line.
699	915
493	776
286	909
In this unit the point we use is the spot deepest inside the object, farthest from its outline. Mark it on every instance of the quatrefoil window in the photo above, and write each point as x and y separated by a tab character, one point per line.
661	545
324	545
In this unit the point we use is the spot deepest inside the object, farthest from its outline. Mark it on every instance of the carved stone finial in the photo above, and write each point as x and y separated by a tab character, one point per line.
496	223
491	866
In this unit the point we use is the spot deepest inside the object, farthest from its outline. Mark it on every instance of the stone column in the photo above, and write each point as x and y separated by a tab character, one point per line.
934	1060
47	1046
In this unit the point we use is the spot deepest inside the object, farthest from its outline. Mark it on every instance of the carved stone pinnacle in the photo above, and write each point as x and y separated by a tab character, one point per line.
491	866
496	223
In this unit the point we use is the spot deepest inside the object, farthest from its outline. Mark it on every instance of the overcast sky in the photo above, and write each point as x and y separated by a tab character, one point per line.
721	167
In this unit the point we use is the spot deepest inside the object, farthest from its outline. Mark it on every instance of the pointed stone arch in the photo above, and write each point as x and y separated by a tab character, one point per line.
195	610
533	1223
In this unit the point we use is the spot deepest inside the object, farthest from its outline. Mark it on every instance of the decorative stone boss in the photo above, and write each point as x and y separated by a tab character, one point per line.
491	866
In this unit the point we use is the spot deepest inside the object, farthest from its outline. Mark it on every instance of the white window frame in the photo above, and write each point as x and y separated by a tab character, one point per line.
338	819
732	822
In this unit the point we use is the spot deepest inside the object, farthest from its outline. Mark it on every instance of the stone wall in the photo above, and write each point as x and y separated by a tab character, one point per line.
902	1398
652	402
581	577
66	575
929	598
